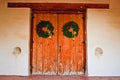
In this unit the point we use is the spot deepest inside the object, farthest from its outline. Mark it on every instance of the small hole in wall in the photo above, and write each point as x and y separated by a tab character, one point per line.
17	51
98	52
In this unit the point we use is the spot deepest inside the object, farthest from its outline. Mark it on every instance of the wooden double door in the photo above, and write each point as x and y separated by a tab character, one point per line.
58	55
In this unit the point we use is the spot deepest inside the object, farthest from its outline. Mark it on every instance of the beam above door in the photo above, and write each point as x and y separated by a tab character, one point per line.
58	7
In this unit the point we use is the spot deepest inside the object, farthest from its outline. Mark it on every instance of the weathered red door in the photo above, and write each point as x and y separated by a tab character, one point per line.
58	55
71	53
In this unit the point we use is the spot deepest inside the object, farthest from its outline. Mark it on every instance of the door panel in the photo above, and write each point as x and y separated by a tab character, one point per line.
44	49
58	55
71	55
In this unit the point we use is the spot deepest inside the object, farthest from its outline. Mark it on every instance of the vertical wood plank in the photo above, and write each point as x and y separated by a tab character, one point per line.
50	48
34	69
36	45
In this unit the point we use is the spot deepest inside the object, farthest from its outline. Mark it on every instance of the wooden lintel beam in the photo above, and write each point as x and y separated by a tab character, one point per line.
58	6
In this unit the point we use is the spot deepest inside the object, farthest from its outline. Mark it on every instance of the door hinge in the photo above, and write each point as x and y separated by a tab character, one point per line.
83	17
33	17
84	42
32	41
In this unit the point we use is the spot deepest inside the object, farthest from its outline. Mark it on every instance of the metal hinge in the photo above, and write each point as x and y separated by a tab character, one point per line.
83	17
33	17
84	42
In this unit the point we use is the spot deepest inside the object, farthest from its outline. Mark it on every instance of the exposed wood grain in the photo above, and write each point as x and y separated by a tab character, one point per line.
59	54
44	49
71	55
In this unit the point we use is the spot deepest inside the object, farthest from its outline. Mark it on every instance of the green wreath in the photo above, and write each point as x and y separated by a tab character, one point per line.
44	29
70	29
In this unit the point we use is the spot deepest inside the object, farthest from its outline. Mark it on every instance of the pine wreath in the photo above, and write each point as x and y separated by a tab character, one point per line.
44	29
70	29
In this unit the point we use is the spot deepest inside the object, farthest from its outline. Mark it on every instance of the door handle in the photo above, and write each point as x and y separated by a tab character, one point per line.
59	48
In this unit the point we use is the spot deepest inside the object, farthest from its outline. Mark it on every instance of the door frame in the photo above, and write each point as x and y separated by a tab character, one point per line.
60	12
58	8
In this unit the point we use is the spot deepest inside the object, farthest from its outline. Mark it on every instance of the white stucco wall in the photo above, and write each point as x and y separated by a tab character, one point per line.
103	29
14	32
